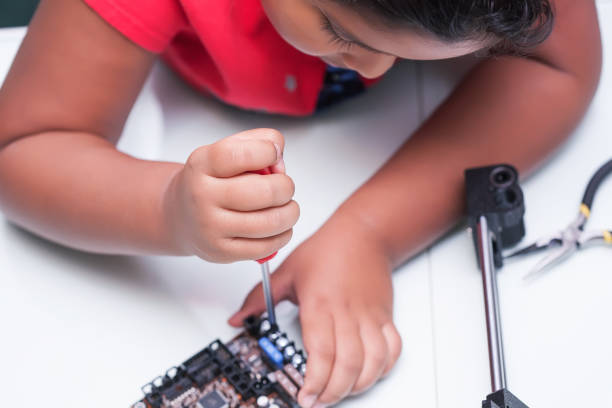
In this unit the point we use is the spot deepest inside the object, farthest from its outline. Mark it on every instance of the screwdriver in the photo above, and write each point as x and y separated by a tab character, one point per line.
265	275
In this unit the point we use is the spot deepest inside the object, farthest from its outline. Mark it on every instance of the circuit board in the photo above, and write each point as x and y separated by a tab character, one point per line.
259	368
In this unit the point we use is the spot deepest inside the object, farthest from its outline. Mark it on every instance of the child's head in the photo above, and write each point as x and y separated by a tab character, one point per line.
368	35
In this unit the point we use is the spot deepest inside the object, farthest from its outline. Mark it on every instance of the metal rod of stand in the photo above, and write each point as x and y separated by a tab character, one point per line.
489	282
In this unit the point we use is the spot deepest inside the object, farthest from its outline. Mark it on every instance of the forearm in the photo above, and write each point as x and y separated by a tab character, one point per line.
78	190
490	118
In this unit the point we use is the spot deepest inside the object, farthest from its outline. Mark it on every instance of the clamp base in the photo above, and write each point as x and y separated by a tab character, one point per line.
503	399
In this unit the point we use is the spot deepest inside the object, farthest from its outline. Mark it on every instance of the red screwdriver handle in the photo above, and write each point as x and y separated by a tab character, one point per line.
265	172
267	258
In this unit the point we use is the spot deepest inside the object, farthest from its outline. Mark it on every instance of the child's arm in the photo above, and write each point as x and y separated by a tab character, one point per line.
516	110
508	109
62	108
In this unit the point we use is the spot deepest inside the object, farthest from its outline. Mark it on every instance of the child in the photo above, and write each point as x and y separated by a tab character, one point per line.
82	64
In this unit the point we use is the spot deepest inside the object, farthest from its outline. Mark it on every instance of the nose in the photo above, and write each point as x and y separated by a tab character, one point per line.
370	65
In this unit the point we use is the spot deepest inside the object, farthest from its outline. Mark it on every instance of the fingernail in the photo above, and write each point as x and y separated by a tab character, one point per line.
308	401
279	152
319	405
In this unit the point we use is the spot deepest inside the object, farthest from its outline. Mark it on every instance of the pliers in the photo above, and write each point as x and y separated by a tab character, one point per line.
574	237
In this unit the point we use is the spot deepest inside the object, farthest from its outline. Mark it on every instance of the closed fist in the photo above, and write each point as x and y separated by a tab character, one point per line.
221	211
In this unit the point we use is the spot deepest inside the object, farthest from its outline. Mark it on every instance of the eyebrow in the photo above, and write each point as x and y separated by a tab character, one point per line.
345	34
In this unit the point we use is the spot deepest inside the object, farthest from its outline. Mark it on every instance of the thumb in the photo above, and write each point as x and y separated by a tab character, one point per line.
255	302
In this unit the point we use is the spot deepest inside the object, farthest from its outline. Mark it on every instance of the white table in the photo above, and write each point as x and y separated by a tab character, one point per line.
85	330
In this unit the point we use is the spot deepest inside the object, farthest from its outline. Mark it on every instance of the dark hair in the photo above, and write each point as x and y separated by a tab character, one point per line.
518	25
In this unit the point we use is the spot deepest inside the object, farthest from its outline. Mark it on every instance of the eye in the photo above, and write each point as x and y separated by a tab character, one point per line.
335	39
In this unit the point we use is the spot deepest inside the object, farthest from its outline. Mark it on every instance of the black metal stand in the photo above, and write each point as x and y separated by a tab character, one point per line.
495	210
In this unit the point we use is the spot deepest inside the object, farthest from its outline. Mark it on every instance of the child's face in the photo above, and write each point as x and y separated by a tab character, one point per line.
342	37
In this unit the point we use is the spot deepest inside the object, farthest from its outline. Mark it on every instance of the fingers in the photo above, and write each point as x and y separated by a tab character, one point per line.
259	224
246	151
348	361
250	192
345	357
249	249
394	345
320	344
376	356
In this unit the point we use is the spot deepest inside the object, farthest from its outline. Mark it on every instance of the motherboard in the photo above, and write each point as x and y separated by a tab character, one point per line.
260	368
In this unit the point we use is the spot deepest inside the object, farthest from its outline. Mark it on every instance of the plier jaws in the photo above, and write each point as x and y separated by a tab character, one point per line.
540	245
566	249
565	242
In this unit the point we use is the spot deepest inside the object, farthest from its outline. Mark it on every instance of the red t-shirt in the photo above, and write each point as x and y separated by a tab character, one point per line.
228	48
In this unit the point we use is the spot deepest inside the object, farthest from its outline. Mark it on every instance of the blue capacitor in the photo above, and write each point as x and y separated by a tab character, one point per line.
271	351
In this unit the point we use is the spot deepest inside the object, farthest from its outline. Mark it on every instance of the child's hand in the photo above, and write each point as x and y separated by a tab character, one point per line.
342	283
221	212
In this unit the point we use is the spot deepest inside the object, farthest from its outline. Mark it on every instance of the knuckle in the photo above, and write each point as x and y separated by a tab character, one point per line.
202	188
199	155
190	164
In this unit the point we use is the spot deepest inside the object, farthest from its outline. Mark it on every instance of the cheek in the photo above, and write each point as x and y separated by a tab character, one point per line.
299	23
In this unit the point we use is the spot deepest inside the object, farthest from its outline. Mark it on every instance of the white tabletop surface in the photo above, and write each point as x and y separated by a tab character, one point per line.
84	330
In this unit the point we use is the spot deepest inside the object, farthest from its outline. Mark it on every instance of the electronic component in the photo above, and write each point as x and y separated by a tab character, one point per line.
260	367
295	376
213	400
287	384
271	351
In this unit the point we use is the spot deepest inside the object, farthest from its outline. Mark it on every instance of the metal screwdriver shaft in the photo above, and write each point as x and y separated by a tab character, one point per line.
265	275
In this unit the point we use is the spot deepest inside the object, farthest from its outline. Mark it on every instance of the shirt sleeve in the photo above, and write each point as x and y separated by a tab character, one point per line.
151	24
